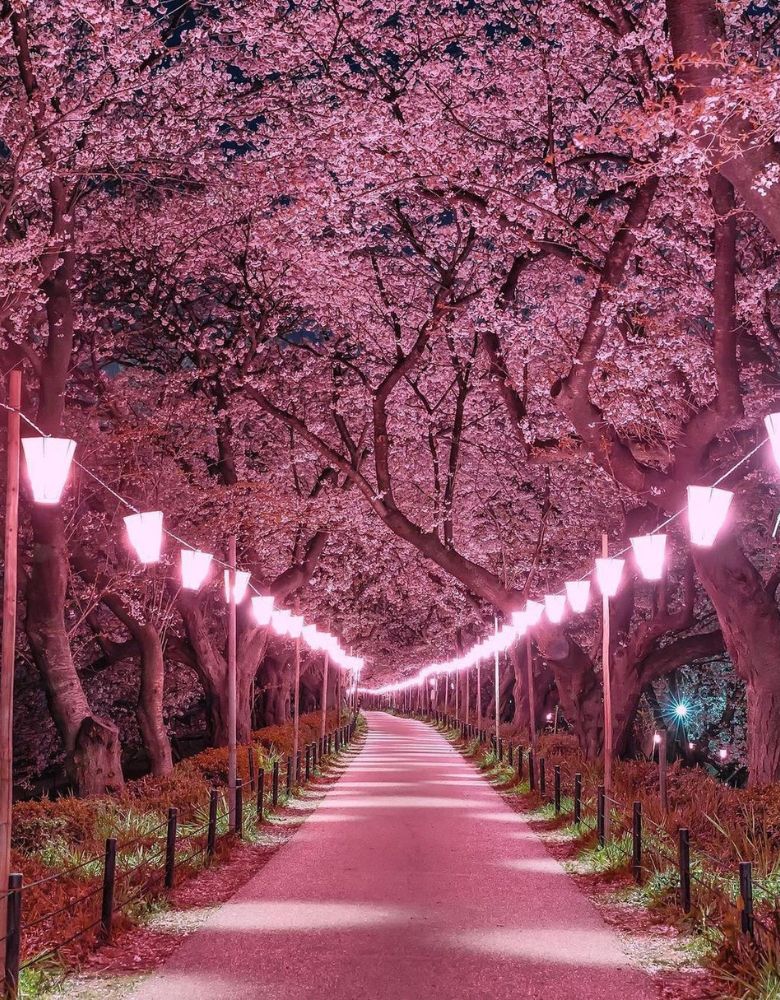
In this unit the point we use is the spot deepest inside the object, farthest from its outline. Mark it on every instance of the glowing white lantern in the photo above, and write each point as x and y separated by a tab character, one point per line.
772	424
519	622
145	534
533	612
295	626
649	553
194	568
262	609
578	594
707	509
242	583
48	464
280	620
555	607
609	573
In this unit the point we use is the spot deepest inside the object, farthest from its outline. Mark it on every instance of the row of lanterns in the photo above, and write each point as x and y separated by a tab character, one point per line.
48	463
707	509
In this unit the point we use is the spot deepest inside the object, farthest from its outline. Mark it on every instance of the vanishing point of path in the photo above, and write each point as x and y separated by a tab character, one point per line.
411	879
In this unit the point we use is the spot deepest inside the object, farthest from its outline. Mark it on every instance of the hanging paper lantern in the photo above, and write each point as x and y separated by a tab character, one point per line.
519	622
48	464
145	534
262	609
242	584
649	553
533	612
578	595
608	574
707	509
194	568
772	424
555	607
295	626
280	620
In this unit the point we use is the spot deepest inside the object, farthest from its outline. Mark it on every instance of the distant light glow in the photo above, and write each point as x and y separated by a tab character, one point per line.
609	573
554	607
681	710
242	583
707	510
578	594
650	554
195	567
145	534
723	753
48	464
772	424
262	609
533	612
656	738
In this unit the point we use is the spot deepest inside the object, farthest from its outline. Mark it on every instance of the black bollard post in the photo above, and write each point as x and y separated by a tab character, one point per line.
685	869
531	771
557	788
746	894
211	835
13	935
170	848
636	843
109	880
275	785
542	778
600	815
240	808
289	776
260	794
519	763
577	799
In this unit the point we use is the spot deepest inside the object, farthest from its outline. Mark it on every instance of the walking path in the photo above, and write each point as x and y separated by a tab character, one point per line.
412	879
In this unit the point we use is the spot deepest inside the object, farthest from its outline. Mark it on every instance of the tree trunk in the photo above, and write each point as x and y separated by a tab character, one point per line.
149	711
750	623
579	688
91	744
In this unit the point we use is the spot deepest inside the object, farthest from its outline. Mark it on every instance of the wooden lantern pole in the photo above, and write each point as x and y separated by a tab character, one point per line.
468	697
296	698
324	714
479	694
607	684
231	679
529	661
497	682
10	553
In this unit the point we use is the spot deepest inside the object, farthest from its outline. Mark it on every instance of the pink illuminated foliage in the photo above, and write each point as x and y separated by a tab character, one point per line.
416	316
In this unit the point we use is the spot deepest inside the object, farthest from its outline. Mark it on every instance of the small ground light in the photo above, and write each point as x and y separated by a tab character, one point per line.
723	753
656	738
549	716
691	746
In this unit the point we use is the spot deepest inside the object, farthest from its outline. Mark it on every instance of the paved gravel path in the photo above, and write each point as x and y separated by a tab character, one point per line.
411	879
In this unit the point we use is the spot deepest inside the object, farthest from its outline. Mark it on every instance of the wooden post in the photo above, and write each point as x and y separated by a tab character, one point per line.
529	656
607	685
170	848
13	923
8	656
479	692
497	682
746	895
296	695
109	880
211	836
685	869
261	795
275	785
231	680
542	778
240	808
601	819
250	758
324	712
662	765
636	843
